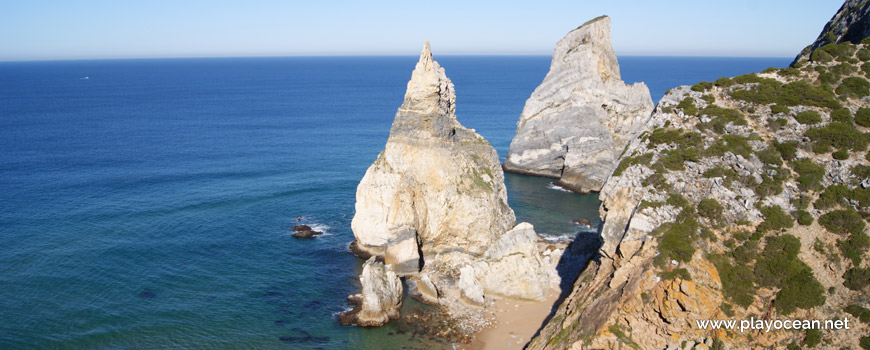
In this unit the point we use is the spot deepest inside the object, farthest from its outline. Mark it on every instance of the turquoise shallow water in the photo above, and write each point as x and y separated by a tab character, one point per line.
150	205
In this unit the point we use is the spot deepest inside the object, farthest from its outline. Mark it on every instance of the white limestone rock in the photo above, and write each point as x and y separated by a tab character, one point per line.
381	296
578	121
437	186
514	267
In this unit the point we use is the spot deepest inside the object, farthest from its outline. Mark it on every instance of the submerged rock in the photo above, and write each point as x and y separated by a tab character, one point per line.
380	299
304	231
578	121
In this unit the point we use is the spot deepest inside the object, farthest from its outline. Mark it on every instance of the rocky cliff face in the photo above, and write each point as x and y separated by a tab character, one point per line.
850	24
579	120
381	296
744	197
436	187
434	206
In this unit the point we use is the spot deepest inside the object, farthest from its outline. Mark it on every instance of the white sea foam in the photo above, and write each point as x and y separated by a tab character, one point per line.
554	186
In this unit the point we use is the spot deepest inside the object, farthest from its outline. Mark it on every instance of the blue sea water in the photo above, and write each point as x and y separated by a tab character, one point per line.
150	205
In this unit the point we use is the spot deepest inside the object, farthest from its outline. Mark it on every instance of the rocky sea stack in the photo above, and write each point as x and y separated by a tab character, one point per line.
433	205
580	119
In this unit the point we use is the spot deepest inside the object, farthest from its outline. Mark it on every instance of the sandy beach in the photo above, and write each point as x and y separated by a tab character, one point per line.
516	322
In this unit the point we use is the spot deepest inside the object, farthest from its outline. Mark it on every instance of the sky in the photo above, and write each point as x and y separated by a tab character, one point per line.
89	29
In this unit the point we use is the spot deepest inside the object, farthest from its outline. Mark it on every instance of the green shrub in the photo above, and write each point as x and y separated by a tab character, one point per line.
854	247
770	156
837	135
842	51
723	82
842	222
675	159
775	124
864	55
710	208
813	337
854	87
688	106
841	115
804	218
769	186
779	266
862	117
739	145
810	174
858	312
808	117
864	343
789	72
708	98
720	117
778	109
856	278
788	150
832	196
775	219
843	69
841	155
828	78
702	86
682	273
737	281
728	175
791	94
626	162
865	68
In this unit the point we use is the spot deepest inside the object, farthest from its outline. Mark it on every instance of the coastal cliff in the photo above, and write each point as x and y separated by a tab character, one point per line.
433	206
746	197
579	120
850	24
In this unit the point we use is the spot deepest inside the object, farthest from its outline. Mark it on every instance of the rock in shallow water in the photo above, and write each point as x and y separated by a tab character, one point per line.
304	231
578	121
380	299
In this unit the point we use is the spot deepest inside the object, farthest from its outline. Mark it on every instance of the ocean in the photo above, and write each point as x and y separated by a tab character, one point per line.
148	204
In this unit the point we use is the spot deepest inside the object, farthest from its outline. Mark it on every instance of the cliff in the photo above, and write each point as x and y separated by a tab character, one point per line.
744	197
850	24
579	120
433	205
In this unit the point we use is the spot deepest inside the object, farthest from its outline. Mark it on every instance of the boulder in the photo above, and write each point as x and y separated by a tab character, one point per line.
304	231
381	296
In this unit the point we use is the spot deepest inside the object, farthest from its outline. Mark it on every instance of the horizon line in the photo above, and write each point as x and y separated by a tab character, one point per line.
348	56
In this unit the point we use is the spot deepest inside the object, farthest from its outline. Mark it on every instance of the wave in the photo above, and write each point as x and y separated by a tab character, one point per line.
554	186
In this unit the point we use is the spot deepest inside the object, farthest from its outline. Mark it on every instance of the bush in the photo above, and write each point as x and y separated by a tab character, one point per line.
832	196
788	150
737	281
864	55
702	86
778	109
808	117
862	117
739	145
813	337
791	94
774	219
727	174
682	273
720	117
708	98
859	312
688	106
854	87
804	218
854	247
779	266
842	115
865	342
841	155
810	174
842	51
838	135
856	278
710	208
842	222
675	159
770	156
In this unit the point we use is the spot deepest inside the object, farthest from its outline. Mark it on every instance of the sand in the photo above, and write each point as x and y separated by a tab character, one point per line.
515	324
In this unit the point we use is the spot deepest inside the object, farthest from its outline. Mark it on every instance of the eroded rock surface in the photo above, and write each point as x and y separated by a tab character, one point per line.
851	23
381	296
578	121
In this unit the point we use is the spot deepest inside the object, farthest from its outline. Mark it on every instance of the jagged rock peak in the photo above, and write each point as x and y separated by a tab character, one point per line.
429	90
581	117
851	23
594	35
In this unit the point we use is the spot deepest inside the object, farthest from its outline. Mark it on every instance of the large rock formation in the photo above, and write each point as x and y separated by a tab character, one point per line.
434	206
436	187
579	120
851	23
380	299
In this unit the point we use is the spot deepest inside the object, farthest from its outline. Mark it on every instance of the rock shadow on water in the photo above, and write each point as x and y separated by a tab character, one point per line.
303	337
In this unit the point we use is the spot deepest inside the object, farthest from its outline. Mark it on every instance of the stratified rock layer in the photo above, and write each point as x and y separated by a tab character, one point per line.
578	121
851	23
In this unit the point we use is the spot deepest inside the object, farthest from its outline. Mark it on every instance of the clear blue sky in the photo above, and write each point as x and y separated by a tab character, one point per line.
42	29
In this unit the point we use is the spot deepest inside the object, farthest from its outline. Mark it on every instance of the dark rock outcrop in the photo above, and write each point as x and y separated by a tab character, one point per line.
851	23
